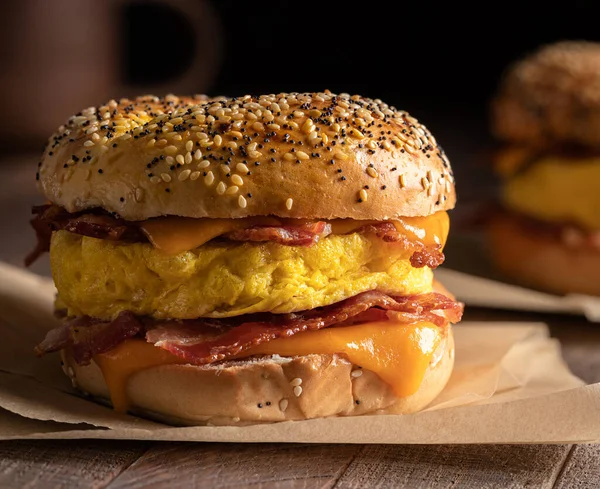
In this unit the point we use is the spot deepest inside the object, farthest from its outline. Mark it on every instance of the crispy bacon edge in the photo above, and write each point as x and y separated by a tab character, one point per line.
49	218
305	235
205	341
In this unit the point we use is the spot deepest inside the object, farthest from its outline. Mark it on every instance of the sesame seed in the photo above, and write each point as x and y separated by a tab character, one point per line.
210	178
289	156
356	373
241	168
179	159
203	164
296	381
89	143
194	175
372	172
232	190
308	126
340	156
289	203
363	195
237	180
242	202
165	177
221	188
197	154
155	179
297	391
184	175
302	155
283	404
402	180
357	134
171	150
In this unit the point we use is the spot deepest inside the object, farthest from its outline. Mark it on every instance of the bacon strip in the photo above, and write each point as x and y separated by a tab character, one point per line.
305	235
49	218
99	224
423	255
219	345
208	340
89	336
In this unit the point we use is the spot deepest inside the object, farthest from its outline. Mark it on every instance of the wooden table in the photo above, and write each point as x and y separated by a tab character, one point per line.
116	464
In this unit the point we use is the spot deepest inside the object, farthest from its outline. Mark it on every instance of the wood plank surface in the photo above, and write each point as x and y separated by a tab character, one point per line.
220	465
581	469
455	466
65	464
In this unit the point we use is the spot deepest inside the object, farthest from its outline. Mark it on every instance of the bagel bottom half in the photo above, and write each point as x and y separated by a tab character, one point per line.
264	389
541	260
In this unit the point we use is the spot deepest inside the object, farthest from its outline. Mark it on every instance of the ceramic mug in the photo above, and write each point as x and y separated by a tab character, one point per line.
61	56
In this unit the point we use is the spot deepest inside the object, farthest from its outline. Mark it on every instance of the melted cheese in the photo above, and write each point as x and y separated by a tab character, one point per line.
398	353
175	235
178	234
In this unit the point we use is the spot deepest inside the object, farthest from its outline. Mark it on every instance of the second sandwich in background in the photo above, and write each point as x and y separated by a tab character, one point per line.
546	118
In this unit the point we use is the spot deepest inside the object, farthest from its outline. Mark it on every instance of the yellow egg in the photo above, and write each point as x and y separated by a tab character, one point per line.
101	278
558	190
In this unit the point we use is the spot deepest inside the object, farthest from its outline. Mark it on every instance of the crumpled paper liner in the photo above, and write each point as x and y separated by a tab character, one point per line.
485	292
509	385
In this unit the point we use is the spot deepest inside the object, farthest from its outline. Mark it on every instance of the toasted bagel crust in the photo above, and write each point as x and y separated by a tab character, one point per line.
550	97
298	155
542	261
260	390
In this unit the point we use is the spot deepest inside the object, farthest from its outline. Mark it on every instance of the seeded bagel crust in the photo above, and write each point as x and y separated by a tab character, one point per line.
297	155
264	389
541	261
550	97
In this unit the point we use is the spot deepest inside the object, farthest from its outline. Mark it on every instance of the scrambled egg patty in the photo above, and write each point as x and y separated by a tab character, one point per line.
101	278
558	190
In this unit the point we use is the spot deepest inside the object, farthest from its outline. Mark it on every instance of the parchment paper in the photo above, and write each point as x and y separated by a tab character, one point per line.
510	385
485	292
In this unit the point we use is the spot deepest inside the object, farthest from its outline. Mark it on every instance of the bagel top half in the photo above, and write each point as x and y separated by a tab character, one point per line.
550	97
295	155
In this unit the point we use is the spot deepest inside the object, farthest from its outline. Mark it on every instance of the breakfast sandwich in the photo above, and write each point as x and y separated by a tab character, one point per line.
546	119
237	260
